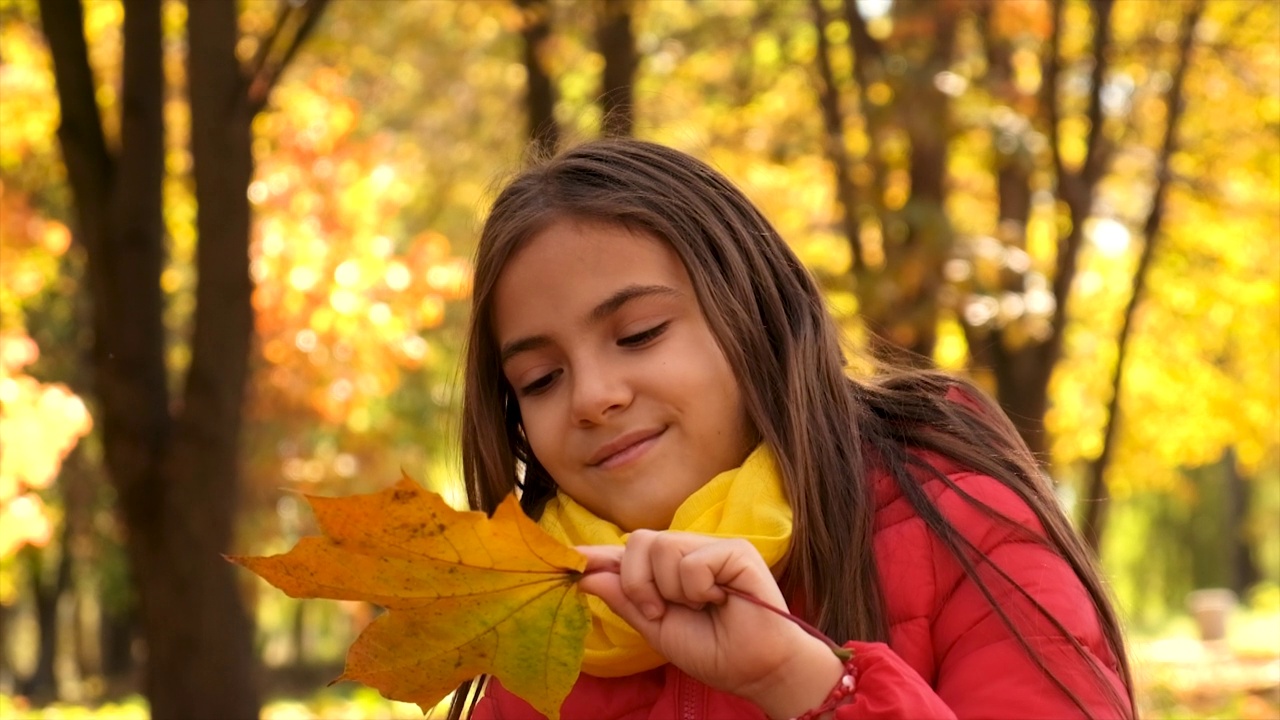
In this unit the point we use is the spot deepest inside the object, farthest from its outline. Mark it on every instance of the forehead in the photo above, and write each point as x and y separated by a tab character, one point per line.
572	264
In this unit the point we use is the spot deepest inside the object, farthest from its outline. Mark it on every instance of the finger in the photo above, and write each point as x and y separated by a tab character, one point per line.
730	563
608	587
698	580
636	575
602	558
666	553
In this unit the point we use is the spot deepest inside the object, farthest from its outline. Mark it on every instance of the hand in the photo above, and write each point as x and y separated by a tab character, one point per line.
670	585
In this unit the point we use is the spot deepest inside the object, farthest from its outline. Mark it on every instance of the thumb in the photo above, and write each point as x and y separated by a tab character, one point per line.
602	558
607	586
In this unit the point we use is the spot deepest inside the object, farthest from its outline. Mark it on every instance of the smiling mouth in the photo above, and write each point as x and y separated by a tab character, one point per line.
625	449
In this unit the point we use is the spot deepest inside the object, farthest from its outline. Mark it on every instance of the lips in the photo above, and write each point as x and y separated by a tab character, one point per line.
623	447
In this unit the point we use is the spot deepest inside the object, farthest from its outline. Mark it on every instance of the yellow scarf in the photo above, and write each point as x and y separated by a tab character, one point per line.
746	502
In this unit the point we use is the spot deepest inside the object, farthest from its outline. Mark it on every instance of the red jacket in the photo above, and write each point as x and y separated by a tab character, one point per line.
949	655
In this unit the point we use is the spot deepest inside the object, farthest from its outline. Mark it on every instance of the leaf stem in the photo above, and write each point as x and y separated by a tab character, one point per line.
841	652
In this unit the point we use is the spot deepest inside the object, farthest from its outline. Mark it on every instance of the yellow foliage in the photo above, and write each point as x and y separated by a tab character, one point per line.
39	424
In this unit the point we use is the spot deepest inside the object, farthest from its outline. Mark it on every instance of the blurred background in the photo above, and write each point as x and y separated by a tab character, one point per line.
234	266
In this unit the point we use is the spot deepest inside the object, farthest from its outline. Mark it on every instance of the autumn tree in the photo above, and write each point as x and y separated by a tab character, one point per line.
540	95
1039	87
615	40
58	544
40	425
173	461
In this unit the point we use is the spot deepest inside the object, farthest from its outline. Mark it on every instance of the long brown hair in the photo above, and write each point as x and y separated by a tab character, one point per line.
829	432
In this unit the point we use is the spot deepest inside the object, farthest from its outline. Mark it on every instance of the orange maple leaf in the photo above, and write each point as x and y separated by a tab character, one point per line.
465	594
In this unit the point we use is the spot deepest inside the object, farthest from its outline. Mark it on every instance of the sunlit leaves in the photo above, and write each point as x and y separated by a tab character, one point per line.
28	111
343	295
39	422
1201	372
387	135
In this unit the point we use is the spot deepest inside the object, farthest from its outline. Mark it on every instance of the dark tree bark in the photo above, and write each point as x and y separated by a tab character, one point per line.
898	284
540	102
1023	369
73	485
616	42
1241	561
175	471
1012	365
41	686
898	296
1097	499
833	124
1075	188
119	628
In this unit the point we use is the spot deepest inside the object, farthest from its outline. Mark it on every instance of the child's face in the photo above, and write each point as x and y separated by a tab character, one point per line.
626	398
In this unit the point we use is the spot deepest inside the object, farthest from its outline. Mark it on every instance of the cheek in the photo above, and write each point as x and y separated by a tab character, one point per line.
733	409
533	418
713	391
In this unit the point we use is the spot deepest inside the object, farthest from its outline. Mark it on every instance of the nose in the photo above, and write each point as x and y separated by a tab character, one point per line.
598	391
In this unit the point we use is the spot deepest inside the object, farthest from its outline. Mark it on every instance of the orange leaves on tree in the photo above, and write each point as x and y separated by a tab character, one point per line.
345	298
39	422
465	594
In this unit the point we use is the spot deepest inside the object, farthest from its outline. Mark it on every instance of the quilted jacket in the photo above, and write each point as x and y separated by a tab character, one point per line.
948	656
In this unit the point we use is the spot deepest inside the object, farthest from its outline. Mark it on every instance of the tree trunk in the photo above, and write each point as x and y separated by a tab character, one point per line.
6	668
175	477
544	132
298	633
118	629
926	117
616	42
1014	364
199	636
834	141
898	298
1097	499
42	685
1241	561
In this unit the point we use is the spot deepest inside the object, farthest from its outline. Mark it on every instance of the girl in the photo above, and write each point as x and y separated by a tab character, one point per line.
656	372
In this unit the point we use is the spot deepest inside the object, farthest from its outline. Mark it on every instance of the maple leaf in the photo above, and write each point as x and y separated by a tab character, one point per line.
466	594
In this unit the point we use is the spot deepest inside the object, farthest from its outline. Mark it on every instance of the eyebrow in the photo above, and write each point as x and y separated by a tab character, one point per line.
611	305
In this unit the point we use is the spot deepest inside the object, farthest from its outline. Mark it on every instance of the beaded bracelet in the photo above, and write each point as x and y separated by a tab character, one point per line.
842	691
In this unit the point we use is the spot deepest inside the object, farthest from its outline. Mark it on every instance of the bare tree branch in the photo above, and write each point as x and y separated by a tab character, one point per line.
1097	154
1012	169
1076	188
866	49
868	59
257	66
833	120
265	81
1052	65
1098	498
90	165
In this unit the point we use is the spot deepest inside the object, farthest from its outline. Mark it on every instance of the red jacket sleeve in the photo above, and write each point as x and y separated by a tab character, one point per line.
889	688
982	669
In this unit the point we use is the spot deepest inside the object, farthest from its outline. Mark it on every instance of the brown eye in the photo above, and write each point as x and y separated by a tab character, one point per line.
540	384
642	338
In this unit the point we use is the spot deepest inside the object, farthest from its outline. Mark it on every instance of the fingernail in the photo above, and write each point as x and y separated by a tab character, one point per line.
653	612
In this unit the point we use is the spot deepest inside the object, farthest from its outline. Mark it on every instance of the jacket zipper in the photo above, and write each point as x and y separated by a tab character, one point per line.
690	695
